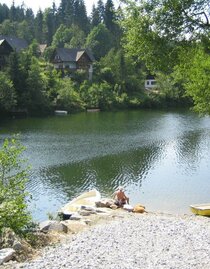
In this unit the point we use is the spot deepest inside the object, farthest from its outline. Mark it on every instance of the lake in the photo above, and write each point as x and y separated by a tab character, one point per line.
162	158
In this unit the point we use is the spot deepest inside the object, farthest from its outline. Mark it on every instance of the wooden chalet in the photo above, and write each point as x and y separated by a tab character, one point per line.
10	44
70	60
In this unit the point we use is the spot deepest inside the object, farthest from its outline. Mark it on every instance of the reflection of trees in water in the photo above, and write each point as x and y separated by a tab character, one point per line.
104	173
188	150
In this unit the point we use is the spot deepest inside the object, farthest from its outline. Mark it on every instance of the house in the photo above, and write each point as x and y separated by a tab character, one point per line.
70	60
5	50
10	44
150	82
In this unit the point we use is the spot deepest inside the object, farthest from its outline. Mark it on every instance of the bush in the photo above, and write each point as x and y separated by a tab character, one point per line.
68	98
13	178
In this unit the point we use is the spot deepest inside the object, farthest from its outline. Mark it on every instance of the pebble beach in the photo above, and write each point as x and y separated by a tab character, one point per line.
133	241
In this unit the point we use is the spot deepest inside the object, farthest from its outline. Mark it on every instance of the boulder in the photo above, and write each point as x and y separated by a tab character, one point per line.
85	213
105	203
88	208
6	254
74	226
75	216
53	225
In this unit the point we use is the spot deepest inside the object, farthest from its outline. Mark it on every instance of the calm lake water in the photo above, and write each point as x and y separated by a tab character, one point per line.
161	158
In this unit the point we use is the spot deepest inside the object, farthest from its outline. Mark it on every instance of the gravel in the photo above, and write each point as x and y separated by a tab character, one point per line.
138	241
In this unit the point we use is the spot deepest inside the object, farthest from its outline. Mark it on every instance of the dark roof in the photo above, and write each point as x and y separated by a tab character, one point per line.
16	43
4	42
149	76
72	55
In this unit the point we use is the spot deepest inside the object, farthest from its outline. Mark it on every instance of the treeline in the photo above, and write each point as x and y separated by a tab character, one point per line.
71	14
29	81
23	23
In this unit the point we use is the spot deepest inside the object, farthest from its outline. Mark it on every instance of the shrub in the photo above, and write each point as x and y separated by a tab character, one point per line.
13	178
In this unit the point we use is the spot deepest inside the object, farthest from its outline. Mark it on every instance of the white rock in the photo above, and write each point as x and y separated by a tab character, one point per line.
6	254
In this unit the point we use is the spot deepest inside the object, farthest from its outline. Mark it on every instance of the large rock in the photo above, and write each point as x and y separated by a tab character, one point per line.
53	225
86	213
75	216
105	203
74	226
6	254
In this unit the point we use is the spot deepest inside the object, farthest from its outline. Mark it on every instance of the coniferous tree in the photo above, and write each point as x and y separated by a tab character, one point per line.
95	17
50	26
39	26
101	10
109	16
15	74
4	12
20	13
80	15
12	12
29	17
69	13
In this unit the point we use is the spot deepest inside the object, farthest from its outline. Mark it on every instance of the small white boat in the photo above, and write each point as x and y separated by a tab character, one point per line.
93	110
61	112
85	199
201	209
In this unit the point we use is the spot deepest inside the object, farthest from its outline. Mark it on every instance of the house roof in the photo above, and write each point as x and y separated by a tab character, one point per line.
150	76
72	55
4	41
16	43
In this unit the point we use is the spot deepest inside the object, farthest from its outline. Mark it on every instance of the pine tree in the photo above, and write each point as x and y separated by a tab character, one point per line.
39	24
109	16
95	17
4	12
101	10
80	15
69	13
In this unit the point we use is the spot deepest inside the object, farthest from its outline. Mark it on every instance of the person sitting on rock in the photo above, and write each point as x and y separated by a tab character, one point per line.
120	197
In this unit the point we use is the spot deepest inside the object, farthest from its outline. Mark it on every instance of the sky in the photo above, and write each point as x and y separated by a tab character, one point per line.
36	4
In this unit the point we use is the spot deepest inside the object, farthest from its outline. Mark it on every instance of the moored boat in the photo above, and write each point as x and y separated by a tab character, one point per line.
88	198
61	112
201	209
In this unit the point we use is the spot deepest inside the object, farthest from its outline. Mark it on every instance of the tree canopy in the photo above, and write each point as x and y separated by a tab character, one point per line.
162	33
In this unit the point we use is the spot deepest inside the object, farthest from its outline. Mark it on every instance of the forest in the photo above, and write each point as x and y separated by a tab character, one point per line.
167	39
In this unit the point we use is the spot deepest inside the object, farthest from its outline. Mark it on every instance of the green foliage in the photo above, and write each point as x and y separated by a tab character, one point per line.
194	75
62	36
13	178
7	93
169	92
118	68
68	98
109	16
96	41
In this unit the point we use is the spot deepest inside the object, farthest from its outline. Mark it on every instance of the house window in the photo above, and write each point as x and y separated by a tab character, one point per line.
153	82
72	65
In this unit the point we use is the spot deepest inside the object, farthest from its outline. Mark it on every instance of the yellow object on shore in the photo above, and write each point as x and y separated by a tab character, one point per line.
139	208
201	209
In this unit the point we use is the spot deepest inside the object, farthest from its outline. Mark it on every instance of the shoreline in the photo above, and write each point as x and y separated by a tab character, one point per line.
149	240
